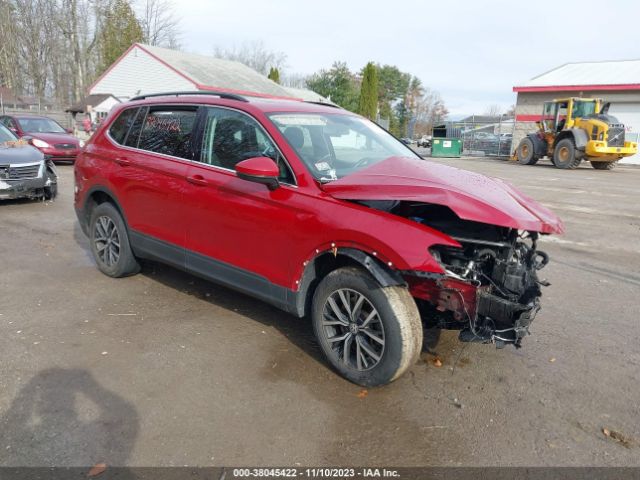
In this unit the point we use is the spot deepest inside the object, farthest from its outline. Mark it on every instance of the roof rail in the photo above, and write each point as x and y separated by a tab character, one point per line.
324	104
225	95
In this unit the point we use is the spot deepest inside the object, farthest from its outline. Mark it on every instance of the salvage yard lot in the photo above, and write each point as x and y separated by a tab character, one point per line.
166	369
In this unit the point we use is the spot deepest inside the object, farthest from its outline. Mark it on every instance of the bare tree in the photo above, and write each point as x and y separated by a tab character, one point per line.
429	111
493	110
34	42
295	80
10	74
160	25
255	55
47	47
511	111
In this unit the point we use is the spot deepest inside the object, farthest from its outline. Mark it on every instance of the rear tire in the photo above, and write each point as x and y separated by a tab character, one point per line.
565	155
110	242
526	152
369	334
603	165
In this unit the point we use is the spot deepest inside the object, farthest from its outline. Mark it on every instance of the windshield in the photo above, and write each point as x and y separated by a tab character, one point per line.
582	109
40	125
334	145
6	135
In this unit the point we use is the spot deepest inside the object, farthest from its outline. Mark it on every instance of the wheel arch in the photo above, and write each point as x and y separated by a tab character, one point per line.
539	145
578	135
97	195
327	261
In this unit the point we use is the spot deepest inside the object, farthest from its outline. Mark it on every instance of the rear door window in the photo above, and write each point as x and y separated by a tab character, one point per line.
134	133
120	127
169	131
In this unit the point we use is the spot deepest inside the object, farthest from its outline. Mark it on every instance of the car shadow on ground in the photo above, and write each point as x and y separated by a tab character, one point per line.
66	417
298	331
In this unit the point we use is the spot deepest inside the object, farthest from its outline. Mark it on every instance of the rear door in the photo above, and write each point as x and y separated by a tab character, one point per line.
239	232
149	175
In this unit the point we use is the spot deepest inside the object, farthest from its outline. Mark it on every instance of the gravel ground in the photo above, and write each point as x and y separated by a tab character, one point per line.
166	369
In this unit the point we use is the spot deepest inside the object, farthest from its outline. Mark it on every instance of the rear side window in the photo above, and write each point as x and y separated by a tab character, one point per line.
134	134
120	127
169	130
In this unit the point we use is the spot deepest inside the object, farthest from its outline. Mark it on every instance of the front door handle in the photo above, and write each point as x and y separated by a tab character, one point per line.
123	162
198	180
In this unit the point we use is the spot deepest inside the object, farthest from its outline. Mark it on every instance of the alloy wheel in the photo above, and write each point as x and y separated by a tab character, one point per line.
107	241
353	329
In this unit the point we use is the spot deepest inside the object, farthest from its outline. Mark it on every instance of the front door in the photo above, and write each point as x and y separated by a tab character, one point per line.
239	232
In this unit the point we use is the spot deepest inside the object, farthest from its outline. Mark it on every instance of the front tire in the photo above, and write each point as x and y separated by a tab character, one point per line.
603	165
565	155
369	334
110	242
526	152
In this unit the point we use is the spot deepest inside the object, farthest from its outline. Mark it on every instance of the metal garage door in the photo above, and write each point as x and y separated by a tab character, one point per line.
629	114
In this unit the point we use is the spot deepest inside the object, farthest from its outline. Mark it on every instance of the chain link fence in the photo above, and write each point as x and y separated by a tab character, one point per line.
480	135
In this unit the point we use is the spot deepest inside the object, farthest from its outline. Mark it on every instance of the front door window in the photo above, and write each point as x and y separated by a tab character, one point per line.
230	137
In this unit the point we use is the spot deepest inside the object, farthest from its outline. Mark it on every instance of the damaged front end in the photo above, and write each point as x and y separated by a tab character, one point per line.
490	290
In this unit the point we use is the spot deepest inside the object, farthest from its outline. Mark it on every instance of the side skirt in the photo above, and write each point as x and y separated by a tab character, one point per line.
213	270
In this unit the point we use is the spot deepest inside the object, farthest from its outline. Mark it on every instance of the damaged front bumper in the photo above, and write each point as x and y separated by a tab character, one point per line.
490	294
27	180
31	188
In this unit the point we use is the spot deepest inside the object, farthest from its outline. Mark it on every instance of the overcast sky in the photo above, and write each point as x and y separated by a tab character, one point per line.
472	52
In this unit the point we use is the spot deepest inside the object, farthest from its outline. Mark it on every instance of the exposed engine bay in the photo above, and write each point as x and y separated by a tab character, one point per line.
490	290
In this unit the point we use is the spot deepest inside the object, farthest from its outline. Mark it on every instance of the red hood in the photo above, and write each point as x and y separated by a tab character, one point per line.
53	138
470	195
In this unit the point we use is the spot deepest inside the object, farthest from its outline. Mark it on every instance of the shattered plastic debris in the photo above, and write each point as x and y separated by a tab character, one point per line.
619	437
97	469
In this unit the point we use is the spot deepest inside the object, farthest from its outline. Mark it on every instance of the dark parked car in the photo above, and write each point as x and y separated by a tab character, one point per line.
24	171
46	135
319	212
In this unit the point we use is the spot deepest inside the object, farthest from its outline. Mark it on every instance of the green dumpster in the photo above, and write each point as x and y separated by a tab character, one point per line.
446	147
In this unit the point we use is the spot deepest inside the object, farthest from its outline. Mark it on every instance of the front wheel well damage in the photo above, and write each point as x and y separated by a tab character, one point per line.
326	262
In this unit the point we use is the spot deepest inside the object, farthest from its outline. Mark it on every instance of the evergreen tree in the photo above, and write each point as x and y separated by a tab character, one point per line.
121	29
368	101
336	84
274	74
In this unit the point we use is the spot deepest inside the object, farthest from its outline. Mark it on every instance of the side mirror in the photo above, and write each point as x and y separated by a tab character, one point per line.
69	130
260	170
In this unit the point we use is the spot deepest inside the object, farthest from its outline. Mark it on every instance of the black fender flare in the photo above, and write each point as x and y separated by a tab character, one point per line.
579	136
384	275
539	145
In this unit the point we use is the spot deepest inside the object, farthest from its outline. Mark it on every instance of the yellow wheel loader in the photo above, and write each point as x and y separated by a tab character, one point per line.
576	129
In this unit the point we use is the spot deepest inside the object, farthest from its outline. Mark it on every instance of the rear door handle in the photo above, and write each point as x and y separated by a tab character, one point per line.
197	180
123	162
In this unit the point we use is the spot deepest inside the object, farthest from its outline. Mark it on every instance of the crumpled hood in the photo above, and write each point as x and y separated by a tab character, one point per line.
470	195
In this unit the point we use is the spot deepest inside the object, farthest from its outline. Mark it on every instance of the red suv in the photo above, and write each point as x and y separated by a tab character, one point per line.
319	212
46	135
